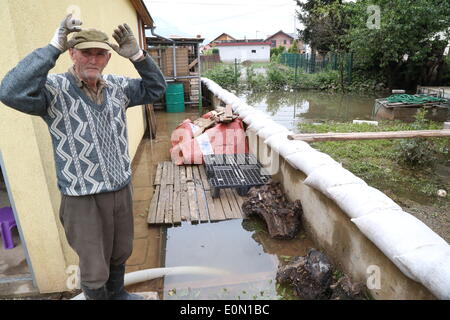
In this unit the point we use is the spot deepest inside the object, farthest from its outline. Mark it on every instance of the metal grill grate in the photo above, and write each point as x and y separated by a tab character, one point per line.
240	171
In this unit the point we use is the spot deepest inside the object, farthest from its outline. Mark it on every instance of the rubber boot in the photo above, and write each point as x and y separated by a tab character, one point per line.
115	285
95	294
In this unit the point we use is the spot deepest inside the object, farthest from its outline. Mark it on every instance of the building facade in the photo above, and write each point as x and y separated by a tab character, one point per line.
26	153
286	40
244	51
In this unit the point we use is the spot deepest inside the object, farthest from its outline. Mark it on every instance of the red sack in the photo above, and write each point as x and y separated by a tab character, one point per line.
223	138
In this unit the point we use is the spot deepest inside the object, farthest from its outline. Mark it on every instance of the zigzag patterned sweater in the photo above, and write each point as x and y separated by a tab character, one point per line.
90	141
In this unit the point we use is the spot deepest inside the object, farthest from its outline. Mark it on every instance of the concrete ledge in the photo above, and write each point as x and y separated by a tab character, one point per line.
328	225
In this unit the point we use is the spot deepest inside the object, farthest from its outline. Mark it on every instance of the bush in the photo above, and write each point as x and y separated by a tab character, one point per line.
223	75
420	151
328	80
255	82
277	76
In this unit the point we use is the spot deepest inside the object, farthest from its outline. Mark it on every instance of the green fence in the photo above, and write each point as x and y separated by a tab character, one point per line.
312	63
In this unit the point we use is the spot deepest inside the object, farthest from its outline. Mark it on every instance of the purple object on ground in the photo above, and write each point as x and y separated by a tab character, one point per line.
7	222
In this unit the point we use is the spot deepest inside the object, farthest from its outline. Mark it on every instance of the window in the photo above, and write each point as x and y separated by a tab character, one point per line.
253	51
284	41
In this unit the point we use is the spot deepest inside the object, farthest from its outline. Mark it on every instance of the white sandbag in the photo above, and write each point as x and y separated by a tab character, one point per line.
212	86
294	146
245	112
241	109
255	116
309	161
221	94
262	123
357	201
271	129
254	119
240	105
231	98
431	265
324	177
277	140
397	233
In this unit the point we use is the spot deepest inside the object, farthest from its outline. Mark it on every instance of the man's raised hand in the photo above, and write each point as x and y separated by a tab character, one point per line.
67	26
128	46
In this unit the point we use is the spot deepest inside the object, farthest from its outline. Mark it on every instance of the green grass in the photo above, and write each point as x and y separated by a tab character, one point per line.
379	163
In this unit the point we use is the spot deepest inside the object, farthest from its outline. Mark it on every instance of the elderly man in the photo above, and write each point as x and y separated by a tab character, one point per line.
86	116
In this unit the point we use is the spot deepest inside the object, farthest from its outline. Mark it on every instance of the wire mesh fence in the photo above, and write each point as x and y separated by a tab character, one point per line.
312	63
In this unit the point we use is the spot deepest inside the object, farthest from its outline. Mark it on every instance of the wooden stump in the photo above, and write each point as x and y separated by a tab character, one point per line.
269	203
313	278
311	275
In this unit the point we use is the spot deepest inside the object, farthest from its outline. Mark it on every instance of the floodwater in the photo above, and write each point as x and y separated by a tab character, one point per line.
309	106
242	249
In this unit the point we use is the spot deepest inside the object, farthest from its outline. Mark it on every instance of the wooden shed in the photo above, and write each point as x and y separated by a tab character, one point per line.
179	61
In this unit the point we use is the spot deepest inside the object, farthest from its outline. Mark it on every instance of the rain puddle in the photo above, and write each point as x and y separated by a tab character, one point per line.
244	251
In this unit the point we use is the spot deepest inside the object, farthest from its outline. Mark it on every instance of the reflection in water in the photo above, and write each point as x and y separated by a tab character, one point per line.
290	108
242	247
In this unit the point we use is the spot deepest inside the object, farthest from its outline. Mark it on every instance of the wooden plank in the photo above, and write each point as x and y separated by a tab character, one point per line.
184	204
170	170
219	213
233	204
176	196
210	205
168	212
191	195
163	198
151	120
240	201
335	136
201	200
228	111
193	63
226	205
153	206
205	182
158	173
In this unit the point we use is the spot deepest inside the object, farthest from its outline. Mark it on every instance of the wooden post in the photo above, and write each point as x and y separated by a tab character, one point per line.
336	136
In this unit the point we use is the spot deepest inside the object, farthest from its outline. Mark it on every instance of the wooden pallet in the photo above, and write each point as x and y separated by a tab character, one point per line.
182	193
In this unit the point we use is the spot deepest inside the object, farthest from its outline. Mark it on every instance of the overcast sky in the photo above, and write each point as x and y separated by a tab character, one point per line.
210	18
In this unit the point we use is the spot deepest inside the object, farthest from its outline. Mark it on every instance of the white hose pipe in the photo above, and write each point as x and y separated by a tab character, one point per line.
149	274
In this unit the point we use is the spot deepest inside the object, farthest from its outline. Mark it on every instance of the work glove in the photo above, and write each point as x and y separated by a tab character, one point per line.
128	46
68	25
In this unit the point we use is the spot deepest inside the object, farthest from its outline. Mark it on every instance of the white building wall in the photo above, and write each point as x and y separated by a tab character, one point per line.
256	53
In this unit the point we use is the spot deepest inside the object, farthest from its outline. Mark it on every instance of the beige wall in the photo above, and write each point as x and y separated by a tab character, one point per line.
25	141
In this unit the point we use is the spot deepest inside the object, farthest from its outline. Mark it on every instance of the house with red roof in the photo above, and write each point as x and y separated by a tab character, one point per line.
286	40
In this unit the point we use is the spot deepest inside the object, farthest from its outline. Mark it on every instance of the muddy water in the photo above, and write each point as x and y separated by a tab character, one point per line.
242	249
290	108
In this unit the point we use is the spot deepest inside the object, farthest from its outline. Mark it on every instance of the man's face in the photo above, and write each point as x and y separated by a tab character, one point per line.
89	63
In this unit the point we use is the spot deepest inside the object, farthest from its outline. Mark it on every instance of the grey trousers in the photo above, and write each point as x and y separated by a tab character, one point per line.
99	228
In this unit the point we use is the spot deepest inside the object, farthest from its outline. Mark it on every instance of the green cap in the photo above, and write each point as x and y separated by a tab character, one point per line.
90	38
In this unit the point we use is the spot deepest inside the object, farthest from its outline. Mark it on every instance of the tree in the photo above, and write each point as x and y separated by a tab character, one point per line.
326	26
294	47
320	27
407	49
